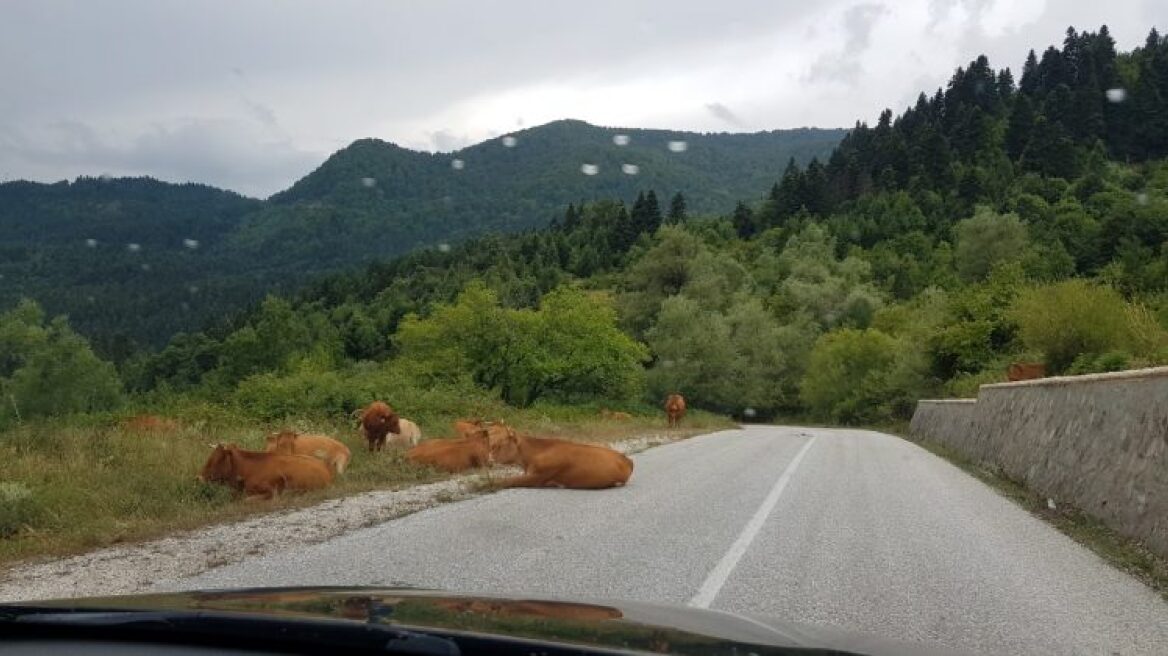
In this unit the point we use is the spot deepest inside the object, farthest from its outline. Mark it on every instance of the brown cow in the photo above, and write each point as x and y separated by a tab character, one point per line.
262	475
558	463
329	451
453	455
468	427
674	409
377	421
1025	371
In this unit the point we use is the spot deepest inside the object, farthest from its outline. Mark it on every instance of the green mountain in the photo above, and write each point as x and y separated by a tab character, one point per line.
203	254
992	222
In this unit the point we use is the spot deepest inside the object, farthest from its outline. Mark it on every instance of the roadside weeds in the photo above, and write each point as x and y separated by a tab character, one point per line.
130	568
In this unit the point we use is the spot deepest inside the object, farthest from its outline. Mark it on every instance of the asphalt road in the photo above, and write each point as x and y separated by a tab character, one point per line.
852	529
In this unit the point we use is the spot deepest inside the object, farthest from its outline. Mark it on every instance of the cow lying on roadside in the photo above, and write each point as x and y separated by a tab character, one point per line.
550	462
614	414
262	475
322	447
454	456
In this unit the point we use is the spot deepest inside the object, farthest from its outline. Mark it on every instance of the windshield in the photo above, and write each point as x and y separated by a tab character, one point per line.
850	315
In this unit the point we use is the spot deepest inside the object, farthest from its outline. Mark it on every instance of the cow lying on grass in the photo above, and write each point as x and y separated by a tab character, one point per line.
262	475
322	447
408	434
470	452
558	463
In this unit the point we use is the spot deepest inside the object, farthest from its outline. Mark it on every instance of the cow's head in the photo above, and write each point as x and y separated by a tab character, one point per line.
220	467
282	442
503	442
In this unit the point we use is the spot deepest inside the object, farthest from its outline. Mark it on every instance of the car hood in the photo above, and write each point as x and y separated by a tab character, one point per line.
619	625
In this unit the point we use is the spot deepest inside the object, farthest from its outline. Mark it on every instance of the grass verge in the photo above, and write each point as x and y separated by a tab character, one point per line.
72	485
1127	554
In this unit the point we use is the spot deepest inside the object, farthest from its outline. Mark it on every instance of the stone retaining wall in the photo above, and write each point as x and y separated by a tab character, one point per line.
1099	442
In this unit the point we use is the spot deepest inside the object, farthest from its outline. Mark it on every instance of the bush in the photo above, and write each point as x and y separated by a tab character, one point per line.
569	350
1069	319
336	394
986	240
857	376
47	369
19	509
1094	364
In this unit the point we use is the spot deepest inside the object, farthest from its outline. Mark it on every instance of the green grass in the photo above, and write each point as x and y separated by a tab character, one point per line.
79	483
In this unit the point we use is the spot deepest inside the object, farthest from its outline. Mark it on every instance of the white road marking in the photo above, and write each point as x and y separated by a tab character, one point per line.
717	577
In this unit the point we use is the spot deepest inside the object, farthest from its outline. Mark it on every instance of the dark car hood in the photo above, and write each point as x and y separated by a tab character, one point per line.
602	624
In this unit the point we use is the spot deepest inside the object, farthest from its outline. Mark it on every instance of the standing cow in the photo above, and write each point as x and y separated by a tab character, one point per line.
1025	371
377	421
674	409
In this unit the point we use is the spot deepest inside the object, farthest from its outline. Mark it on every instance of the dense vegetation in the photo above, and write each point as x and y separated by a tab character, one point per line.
133	261
989	223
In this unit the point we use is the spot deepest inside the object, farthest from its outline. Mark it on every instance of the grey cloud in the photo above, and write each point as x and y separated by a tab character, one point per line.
858	23
223	153
723	112
445	141
843	66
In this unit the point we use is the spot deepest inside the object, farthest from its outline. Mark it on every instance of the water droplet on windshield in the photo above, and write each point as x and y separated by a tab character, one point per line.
678	146
1117	95
191	243
630	169
589	169
1142	198
145	267
133	248
509	141
90	299
92	243
105	177
444	247
194	289
369	182
749	412
457	164
620	139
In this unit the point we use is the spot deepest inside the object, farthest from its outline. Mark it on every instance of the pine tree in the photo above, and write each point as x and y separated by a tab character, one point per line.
743	220
1019	127
653	217
677	208
1029	82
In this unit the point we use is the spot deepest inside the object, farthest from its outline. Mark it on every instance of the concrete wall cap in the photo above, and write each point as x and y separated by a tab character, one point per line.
1131	374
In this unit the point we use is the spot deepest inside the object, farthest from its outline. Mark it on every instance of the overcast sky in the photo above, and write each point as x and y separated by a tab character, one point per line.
252	95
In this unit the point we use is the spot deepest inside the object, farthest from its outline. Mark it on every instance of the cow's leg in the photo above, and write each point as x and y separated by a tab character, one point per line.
533	479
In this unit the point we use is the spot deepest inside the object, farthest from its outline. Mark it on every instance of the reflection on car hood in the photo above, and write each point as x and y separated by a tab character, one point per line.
602	624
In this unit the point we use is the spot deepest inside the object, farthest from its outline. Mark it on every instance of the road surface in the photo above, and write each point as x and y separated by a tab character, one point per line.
852	529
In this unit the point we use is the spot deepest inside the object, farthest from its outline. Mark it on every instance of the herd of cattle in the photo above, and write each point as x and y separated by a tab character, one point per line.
294	461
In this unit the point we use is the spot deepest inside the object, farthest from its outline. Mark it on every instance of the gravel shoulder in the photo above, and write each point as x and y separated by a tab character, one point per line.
132	568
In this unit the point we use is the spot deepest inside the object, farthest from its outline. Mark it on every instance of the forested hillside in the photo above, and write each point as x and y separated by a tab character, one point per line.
994	221
133	261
